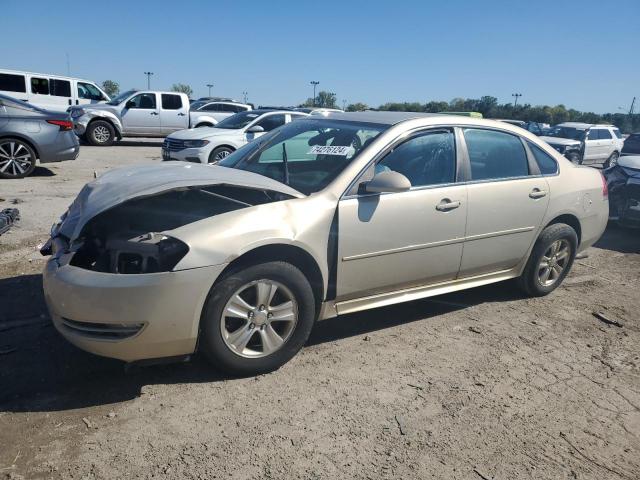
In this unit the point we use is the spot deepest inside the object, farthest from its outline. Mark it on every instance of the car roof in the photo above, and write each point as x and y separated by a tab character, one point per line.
383	118
584	125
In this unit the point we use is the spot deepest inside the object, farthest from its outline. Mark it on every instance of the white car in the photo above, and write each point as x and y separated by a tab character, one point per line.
584	143
207	113
212	144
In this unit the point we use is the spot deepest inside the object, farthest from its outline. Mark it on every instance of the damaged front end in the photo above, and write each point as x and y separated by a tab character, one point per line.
623	182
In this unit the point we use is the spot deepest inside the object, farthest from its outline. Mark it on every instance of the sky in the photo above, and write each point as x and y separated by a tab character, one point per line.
583	54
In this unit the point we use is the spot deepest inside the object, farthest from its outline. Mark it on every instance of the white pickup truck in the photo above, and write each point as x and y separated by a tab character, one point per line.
147	114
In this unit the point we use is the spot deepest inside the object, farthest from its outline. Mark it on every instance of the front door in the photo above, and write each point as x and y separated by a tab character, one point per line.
593	147
174	114
507	200
396	240
140	115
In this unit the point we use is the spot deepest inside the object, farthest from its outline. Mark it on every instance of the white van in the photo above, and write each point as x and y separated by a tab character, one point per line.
51	92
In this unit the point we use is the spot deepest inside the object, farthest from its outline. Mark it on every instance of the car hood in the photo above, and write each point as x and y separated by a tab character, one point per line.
559	141
102	107
202	132
119	185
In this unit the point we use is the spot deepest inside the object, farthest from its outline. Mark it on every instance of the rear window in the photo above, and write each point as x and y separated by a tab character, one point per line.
171	102
60	88
617	133
12	83
546	163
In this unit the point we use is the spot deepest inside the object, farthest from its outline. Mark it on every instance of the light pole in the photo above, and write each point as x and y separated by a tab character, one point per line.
245	95
210	85
148	74
331	94
515	101
314	83
344	104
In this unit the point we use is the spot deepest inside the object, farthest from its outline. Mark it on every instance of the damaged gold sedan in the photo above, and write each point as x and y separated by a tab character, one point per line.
324	216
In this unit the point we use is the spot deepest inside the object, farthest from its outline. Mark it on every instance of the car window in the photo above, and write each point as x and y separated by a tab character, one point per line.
171	102
604	134
143	101
546	163
617	133
88	92
593	134
427	159
271	122
495	155
12	83
60	88
212	107
40	86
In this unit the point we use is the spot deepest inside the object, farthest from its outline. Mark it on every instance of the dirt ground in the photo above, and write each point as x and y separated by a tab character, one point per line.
483	384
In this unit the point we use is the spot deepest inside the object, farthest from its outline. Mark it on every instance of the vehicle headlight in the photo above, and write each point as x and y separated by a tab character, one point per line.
195	143
77	113
148	253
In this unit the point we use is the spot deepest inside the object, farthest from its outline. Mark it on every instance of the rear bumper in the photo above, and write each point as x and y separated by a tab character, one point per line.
67	148
128	317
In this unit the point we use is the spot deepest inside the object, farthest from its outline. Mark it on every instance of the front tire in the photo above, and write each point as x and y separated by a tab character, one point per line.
257	318
219	154
612	160
100	133
17	158
550	260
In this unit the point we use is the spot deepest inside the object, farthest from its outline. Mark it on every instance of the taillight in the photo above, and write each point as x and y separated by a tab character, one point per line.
605	188
63	124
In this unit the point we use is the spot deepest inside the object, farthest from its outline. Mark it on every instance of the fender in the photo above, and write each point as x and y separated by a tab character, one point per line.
196	119
90	115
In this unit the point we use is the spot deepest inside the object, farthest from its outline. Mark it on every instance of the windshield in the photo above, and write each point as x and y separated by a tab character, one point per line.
239	120
120	98
566	132
197	104
306	154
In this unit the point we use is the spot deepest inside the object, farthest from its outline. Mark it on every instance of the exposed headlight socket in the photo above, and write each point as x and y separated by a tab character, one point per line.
148	253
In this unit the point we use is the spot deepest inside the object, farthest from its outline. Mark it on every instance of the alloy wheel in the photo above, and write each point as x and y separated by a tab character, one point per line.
221	155
101	134
15	158
259	318
554	262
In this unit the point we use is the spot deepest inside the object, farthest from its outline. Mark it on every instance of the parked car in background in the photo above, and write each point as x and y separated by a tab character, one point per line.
309	222
623	181
51	92
135	113
206	113
587	144
210	145
317	110
631	144
29	134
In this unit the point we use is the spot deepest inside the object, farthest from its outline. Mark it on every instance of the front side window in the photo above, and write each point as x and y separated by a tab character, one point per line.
40	86
604	134
272	122
566	132
12	83
546	163
88	91
494	155
427	159
171	102
305	154
143	101
60	88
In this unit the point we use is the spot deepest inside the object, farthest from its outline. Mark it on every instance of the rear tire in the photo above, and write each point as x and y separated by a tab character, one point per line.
201	125
237	335
219	154
575	158
550	260
612	160
100	133
17	158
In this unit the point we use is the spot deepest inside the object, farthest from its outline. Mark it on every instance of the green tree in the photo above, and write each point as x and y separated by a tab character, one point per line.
111	88
182	88
357	107
323	99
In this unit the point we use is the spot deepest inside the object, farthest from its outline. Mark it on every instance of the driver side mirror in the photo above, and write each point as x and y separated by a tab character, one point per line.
387	182
130	104
255	129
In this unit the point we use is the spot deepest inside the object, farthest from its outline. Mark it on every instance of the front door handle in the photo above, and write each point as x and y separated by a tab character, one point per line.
153	113
445	205
181	114
537	193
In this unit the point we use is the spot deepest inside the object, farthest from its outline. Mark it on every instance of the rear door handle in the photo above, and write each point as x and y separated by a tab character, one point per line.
445	205
181	114
537	193
153	113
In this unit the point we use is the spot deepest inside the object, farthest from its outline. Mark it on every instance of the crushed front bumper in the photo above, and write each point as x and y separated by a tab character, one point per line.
128	317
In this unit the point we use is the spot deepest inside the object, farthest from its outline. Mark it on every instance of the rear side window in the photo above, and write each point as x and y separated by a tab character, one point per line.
495	155
171	102
604	134
12	83
427	159
40	86
617	133
60	88
546	163
593	135
212	107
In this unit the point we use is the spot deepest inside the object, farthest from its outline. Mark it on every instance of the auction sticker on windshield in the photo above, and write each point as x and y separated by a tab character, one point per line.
330	150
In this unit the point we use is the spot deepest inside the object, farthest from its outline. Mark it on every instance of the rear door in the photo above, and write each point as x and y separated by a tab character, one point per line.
173	113
141	116
60	93
40	88
507	200
607	143
592	147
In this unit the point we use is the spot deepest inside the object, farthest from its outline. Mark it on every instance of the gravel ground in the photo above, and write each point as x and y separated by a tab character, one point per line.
483	384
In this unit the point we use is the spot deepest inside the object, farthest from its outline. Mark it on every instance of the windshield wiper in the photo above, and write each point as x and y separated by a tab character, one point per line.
285	162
